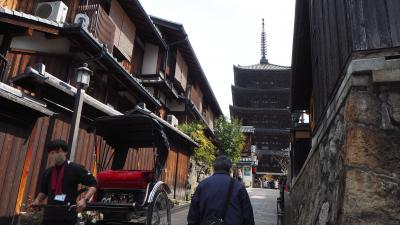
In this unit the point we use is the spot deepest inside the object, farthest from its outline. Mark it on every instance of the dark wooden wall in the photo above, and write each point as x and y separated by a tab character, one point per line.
140	159
196	96
20	149
339	28
22	159
57	65
176	172
330	46
33	161
182	175
375	23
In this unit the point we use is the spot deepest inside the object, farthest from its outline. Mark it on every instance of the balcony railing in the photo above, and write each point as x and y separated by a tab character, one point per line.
3	67
100	24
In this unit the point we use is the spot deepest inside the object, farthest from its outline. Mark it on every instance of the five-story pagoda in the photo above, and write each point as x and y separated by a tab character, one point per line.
261	99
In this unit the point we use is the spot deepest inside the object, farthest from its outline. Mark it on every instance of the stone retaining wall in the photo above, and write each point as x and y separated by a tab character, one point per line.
352	175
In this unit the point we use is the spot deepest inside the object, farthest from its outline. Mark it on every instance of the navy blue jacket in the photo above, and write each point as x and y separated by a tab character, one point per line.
209	199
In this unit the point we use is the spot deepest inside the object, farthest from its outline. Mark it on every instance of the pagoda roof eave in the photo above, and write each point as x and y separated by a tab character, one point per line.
263	67
261	91
248	109
283	131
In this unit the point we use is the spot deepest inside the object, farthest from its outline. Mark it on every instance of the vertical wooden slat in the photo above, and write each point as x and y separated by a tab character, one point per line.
358	29
18	169
342	32
176	172
12	171
79	147
33	179
65	129
183	174
14	67
90	152
393	8
327	47
335	48
27	163
321	57
85	149
57	129
377	25
3	131
5	156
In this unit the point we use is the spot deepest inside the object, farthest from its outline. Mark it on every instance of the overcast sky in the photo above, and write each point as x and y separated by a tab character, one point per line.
224	33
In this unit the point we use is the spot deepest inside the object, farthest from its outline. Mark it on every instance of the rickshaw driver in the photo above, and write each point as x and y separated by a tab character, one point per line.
60	182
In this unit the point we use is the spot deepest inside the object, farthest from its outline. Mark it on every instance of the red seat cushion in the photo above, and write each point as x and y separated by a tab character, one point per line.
124	179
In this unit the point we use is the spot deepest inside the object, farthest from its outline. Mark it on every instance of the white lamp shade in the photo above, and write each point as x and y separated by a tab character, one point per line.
83	75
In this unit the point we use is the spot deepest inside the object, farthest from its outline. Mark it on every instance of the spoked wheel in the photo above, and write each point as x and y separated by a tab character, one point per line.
159	212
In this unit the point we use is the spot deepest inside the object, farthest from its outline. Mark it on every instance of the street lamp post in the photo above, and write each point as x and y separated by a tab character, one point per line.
83	75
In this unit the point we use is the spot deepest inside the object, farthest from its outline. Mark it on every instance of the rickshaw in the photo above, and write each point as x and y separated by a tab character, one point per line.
130	196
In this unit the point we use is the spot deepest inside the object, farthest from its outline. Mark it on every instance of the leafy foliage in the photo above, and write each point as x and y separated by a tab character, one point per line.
230	140
205	153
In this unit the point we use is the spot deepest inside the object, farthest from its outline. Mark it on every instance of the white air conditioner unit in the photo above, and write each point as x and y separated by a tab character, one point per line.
171	119
55	11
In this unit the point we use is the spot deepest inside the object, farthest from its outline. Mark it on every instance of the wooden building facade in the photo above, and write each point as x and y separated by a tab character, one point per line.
196	100
38	61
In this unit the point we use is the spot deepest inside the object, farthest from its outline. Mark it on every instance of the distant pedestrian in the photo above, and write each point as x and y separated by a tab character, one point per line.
209	200
60	186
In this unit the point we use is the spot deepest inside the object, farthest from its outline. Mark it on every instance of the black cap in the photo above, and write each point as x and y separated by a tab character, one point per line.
56	144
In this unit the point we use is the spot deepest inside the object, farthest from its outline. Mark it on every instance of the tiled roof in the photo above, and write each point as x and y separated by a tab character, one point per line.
263	67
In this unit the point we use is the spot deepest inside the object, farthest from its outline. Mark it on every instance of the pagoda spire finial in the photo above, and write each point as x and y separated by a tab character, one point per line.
263	59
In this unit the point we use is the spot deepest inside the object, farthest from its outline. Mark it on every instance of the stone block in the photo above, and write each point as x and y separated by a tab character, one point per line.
394	104
323	214
385	76
363	107
355	221
373	149
370	198
363	147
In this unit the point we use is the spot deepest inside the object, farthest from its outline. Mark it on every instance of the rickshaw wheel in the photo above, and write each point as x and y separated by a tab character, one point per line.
159	211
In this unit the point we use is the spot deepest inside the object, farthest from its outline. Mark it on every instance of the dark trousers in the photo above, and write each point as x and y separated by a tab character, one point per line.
59	216
58	222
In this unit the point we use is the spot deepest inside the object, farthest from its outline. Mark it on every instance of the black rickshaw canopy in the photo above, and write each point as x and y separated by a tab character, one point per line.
133	131
140	128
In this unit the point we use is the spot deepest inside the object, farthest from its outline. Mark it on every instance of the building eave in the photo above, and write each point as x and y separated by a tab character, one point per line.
193	60
134	82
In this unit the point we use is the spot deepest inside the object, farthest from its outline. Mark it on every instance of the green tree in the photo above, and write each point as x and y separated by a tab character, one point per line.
205	153
230	140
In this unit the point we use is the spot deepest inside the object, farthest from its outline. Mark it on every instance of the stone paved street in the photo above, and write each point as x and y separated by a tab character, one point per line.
264	207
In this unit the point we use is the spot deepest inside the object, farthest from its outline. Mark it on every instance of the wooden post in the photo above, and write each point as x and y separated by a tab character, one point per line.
76	118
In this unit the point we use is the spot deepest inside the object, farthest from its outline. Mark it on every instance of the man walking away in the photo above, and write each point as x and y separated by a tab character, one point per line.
209	199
